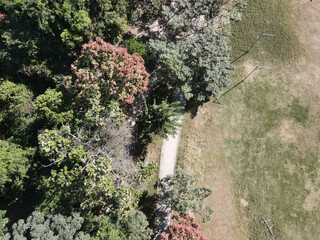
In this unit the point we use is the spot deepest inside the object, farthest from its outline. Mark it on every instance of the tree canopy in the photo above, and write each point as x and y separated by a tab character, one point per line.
81	94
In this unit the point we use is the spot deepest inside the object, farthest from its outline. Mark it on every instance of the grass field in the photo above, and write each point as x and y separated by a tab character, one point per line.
259	151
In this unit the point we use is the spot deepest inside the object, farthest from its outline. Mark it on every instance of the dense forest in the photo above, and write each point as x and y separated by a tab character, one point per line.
84	85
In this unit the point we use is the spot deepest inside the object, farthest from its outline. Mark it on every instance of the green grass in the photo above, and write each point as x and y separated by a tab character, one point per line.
271	17
269	137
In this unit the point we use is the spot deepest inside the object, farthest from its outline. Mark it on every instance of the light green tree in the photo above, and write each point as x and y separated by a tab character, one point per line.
90	169
3	225
50	108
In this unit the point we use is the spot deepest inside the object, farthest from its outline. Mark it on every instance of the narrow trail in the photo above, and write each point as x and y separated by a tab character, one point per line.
167	166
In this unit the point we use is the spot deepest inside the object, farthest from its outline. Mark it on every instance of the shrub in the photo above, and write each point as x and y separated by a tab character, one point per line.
184	228
134	46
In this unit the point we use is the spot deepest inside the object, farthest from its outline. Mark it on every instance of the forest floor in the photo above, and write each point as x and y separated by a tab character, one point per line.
259	151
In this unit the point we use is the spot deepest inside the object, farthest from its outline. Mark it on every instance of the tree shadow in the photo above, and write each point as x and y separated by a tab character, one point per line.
148	205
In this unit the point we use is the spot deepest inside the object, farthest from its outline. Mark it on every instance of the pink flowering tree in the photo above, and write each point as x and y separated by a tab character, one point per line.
104	72
184	228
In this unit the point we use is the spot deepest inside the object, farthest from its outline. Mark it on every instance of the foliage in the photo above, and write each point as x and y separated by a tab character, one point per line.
131	227
192	51
184	228
49	107
145	172
15	99
135	46
97	115
91	168
104	72
51	226
16	108
143	11
106	229
14	164
80	23
3	223
181	193
41	37
135	227
162	119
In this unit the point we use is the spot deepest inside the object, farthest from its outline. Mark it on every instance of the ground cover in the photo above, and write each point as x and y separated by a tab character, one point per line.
259	150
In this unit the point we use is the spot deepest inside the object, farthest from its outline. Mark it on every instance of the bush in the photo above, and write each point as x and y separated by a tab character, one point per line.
184	228
134	46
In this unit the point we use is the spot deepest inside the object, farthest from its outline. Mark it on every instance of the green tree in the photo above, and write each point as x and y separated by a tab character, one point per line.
192	51
131	227
135	46
51	227
51	108
181	192
91	169
161	119
16	104
42	37
3	224
14	164
135	227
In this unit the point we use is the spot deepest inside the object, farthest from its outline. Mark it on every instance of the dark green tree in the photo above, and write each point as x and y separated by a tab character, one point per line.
135	46
14	164
40	38
161	119
133	226
180	191
16	104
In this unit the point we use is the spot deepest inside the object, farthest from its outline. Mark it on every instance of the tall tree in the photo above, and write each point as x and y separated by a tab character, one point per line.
91	170
191	49
16	104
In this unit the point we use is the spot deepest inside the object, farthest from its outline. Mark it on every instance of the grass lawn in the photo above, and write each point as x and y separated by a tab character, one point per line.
259	151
